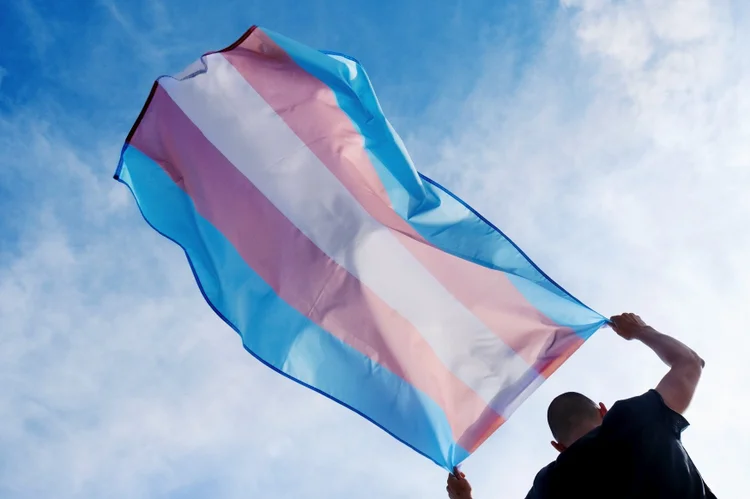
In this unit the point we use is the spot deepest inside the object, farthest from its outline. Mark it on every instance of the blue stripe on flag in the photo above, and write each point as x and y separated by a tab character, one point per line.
277	334
436	214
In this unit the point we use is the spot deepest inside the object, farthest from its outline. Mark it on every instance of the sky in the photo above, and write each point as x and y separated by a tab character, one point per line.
609	139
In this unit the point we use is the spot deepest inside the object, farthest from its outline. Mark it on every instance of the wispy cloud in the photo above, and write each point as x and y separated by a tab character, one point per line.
41	32
146	41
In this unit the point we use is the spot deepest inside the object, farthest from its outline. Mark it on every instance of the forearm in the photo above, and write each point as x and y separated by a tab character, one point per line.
685	366
671	351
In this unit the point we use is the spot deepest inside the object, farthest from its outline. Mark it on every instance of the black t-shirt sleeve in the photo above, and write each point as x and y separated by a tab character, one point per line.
647	411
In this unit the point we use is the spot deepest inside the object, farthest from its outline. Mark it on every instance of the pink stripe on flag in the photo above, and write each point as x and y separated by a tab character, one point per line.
310	109
298	271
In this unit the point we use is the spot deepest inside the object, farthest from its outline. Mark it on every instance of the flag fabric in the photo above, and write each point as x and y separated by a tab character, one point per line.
311	233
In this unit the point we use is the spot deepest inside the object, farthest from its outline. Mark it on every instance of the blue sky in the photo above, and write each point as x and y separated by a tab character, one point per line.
608	138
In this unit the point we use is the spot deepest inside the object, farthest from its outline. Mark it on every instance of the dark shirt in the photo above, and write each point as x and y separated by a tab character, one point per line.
635	453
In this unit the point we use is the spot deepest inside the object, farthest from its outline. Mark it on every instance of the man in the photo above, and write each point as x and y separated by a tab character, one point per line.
630	451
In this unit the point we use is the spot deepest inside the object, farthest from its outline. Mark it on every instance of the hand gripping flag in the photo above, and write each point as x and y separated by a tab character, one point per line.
313	236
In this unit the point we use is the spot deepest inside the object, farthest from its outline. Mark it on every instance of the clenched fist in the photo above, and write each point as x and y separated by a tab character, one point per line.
628	326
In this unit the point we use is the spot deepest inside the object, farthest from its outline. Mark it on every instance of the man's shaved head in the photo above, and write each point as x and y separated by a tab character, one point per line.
572	415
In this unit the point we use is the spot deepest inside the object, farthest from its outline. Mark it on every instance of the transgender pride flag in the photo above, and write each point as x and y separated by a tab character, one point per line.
312	235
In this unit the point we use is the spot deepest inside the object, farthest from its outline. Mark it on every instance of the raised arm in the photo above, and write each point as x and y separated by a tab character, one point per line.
678	385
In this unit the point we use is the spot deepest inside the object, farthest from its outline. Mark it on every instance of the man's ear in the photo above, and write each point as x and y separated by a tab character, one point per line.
602	410
558	446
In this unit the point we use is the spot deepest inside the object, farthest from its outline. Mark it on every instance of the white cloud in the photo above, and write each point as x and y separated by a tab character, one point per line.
619	161
41	32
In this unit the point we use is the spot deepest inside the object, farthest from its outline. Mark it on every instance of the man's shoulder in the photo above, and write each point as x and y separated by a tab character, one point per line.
544	472
647	409
540	482
651	398
632	411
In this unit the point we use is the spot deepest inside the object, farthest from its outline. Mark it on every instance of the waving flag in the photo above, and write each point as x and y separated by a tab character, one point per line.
312	235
